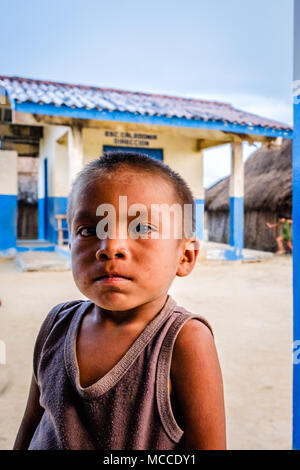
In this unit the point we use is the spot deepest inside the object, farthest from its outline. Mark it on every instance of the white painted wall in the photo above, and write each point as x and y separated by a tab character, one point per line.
57	162
61	170
180	152
8	172
75	153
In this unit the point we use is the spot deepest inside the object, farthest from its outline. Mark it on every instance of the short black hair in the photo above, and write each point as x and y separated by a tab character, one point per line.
114	160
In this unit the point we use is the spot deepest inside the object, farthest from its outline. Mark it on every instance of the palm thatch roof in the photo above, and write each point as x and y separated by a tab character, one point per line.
268	182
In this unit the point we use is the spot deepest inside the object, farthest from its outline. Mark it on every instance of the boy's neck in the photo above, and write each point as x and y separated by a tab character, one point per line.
141	314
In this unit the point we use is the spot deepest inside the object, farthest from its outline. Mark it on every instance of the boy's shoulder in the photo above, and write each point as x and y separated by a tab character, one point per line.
194	341
58	312
193	320
65	308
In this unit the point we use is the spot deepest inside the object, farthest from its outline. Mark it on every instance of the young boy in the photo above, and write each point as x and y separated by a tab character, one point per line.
286	233
129	368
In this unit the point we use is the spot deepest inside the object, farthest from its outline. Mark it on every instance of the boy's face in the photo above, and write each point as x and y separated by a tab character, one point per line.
148	265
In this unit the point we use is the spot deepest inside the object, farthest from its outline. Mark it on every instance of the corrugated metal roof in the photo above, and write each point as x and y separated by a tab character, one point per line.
79	96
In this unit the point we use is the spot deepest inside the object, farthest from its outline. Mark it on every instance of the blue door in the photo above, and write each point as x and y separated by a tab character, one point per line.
154	153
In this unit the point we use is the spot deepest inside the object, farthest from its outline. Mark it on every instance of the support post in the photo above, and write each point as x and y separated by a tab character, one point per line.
199	201
53	179
75	153
236	200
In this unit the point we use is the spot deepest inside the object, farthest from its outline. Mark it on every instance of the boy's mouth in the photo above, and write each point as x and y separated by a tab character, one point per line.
112	276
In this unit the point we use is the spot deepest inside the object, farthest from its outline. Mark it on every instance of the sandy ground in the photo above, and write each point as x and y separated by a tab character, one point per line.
249	306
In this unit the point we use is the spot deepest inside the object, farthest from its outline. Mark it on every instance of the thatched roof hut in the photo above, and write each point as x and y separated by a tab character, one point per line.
268	182
268	192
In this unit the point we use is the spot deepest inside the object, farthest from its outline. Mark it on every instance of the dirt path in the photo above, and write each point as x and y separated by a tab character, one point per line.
249	306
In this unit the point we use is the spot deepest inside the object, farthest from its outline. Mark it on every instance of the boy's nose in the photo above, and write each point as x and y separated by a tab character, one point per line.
111	249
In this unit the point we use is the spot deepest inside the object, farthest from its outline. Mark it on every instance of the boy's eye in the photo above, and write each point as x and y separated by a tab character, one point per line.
87	231
142	228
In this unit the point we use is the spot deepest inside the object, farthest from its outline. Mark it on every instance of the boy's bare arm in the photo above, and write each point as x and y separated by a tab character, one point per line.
271	225
198	387
31	418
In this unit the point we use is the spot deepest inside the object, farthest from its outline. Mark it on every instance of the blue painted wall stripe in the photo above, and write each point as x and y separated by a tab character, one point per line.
296	273
236	223
41	218
56	205
8	221
22	249
125	116
199	218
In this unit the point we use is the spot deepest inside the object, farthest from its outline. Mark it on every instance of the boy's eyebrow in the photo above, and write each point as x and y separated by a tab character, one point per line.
83	215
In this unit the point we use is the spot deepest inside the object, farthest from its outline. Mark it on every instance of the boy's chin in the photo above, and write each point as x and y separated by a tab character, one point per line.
117	301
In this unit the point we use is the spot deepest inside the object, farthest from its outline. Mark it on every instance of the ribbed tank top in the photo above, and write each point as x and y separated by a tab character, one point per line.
128	408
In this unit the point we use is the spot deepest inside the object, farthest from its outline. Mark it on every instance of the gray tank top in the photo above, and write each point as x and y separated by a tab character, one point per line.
128	408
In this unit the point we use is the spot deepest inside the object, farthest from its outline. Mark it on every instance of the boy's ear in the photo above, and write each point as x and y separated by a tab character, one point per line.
188	258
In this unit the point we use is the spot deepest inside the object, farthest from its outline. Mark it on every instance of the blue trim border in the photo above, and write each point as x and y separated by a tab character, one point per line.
296	273
125	116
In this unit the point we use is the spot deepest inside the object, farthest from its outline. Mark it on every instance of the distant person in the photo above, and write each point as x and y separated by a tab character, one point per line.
128	368
286	233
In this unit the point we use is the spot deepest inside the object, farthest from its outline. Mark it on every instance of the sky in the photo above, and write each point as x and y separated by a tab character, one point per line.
233	51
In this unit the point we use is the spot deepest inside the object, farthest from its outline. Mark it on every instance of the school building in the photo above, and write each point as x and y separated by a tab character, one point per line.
65	126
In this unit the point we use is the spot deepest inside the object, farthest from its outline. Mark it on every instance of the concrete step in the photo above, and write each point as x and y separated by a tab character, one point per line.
42	261
34	245
215	251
